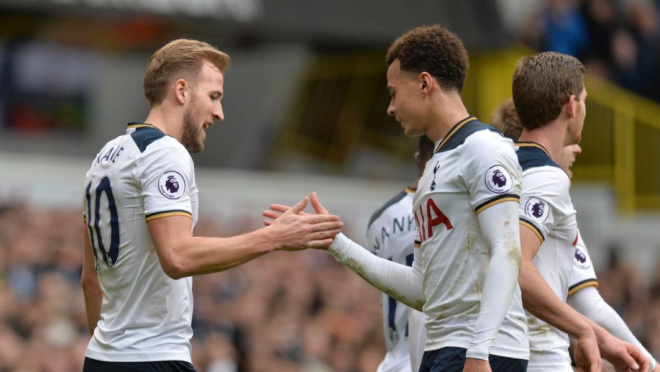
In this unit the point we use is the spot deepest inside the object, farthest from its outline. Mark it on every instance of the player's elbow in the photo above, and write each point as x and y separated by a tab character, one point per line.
174	271
174	267
89	281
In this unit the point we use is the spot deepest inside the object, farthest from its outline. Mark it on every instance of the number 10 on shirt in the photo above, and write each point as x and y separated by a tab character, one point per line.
94	222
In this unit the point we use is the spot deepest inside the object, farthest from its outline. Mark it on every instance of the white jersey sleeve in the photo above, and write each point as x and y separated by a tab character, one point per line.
401	282
590	303
492	174
582	274
491	170
165	174
545	202
547	210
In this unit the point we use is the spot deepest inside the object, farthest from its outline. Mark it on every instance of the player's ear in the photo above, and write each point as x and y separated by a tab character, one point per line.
571	107
181	91
426	82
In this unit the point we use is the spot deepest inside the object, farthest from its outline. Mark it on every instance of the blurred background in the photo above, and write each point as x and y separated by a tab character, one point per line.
305	111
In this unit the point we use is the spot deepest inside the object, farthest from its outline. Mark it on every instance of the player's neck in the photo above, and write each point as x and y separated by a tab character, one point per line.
445	115
550	136
165	122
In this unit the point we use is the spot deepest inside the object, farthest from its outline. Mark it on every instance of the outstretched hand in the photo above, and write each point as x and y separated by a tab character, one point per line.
276	210
623	355
296	230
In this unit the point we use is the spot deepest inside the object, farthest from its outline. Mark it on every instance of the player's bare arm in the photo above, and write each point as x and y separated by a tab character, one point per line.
90	284
588	302
182	255
540	300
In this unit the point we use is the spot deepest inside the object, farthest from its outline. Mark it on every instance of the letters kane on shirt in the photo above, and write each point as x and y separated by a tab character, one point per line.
135	178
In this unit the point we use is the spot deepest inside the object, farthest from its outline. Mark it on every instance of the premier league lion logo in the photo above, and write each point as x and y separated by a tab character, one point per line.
499	178
172	184
580	257
538	209
581	260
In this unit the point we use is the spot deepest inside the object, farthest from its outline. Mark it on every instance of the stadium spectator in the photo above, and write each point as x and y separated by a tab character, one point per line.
45	332
616	40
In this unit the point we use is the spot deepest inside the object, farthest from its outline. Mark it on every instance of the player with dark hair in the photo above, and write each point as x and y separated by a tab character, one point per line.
467	257
549	98
583	293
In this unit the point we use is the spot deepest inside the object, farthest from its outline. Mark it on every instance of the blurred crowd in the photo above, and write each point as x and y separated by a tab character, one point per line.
283	312
287	311
618	40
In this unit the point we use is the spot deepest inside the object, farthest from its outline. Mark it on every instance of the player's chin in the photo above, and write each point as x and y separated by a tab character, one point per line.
197	147
411	131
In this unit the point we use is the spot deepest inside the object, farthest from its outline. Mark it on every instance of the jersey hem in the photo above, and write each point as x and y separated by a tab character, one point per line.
138	357
513	354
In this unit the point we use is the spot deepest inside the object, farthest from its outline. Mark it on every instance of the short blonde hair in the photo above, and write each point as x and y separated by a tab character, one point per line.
179	58
505	119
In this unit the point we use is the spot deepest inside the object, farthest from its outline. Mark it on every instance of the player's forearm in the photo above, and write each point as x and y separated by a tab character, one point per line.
540	300
398	281
202	255
499	227
590	303
93	299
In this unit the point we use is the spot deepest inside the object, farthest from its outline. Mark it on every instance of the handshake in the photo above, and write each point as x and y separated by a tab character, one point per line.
296	230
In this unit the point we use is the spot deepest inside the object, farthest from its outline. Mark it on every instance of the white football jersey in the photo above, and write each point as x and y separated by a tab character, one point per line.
546	208
582	274
135	178
416	337
390	235
474	167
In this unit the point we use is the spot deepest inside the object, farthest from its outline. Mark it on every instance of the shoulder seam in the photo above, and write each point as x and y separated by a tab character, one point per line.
397	198
144	136
462	134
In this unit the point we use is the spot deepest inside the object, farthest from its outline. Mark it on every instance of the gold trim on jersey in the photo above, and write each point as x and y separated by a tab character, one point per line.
453	130
584	284
533	227
497	200
417	244
135	126
533	144
153	216
410	190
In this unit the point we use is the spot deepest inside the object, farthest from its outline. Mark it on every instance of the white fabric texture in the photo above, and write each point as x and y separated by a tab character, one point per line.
145	315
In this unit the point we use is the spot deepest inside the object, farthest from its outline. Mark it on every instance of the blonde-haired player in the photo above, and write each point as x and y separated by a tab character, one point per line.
141	202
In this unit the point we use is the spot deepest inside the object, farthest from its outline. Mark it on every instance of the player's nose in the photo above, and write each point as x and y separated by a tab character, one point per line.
218	114
390	110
